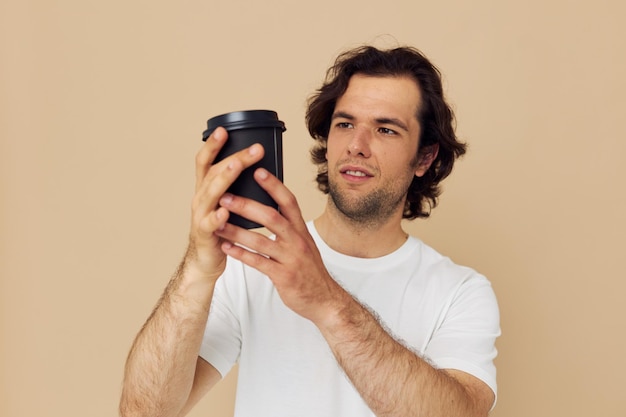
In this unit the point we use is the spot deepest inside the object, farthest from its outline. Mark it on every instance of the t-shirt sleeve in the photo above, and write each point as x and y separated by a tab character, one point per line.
466	335
221	342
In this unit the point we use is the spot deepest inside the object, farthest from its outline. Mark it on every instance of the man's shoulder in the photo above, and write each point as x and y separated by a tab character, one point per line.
436	264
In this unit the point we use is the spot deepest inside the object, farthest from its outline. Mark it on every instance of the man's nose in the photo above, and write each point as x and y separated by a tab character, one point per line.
360	143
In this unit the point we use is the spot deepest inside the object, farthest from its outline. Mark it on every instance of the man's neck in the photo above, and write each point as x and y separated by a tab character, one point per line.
357	239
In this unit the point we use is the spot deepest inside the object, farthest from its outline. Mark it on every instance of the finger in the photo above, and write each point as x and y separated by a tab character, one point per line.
215	183
256	212
255	260
213	221
284	230
221	175
285	199
249	239
208	152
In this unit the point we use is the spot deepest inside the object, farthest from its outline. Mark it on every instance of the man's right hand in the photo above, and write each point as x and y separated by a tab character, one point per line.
163	374
204	255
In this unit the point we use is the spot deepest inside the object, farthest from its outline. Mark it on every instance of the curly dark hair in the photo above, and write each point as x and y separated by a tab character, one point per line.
435	116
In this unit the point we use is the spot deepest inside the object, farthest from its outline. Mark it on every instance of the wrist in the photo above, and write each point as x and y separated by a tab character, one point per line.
202	263
192	285
342	317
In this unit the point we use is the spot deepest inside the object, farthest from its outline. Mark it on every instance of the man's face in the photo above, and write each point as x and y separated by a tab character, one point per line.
372	147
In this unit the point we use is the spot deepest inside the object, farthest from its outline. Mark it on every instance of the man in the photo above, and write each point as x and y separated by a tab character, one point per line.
346	315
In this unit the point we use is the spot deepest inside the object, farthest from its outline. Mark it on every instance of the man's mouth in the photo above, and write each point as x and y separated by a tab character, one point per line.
355	173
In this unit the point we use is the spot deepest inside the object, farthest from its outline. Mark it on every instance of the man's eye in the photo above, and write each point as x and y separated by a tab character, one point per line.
387	131
344	125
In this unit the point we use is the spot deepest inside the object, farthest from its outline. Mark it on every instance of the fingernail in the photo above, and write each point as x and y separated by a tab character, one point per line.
262	173
254	149
226	199
218	135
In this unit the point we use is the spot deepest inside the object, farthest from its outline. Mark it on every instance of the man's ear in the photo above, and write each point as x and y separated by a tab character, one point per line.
425	159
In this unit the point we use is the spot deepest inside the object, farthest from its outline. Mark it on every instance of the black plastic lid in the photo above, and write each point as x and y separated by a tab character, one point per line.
243	120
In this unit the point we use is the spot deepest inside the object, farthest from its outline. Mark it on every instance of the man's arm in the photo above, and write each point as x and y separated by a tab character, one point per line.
391	379
161	366
163	374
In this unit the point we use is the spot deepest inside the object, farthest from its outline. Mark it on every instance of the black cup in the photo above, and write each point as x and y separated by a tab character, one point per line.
244	129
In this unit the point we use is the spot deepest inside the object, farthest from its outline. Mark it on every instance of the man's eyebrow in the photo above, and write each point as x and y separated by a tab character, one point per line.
342	115
392	121
381	120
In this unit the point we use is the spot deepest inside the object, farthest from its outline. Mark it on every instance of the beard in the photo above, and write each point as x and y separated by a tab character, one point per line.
373	208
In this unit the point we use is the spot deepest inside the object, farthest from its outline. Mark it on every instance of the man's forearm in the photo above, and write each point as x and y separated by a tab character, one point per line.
161	364
392	380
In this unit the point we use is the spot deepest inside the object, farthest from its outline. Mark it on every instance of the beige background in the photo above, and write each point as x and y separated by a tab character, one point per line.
102	105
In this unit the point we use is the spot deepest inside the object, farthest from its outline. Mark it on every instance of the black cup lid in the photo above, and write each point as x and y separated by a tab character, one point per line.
243	120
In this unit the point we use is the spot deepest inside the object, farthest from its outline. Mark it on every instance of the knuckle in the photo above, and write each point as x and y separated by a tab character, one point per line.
302	247
290	200
290	276
254	260
202	157
195	202
274	217
238	204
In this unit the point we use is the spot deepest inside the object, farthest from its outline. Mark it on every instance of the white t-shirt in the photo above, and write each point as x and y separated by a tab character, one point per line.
446	313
